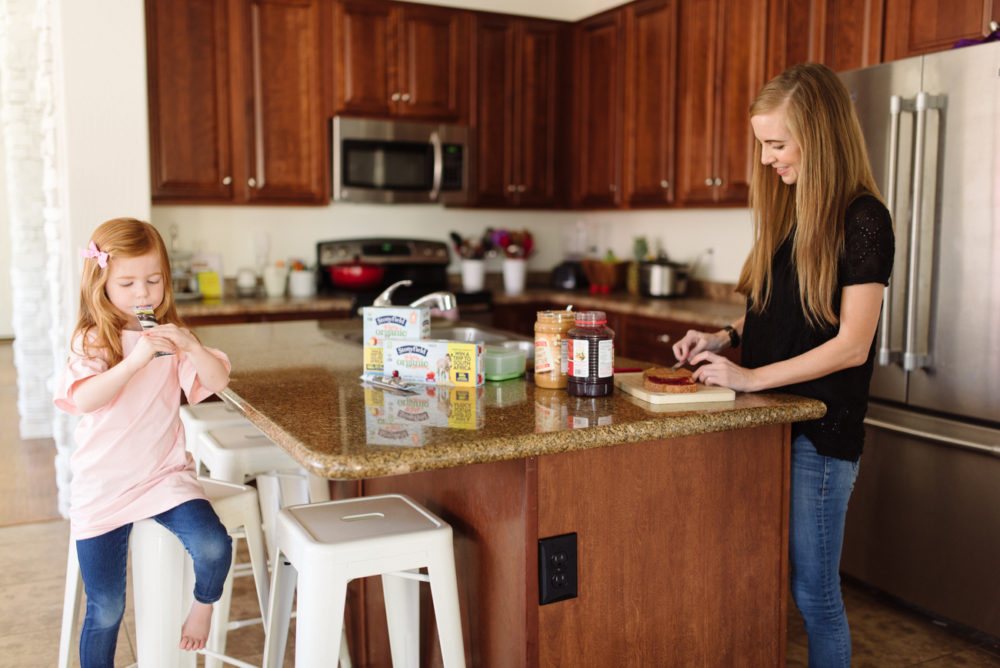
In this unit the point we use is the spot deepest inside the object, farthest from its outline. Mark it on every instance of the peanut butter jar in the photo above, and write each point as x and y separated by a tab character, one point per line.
551	328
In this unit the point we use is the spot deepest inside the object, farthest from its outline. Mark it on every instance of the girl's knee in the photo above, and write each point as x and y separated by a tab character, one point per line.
214	547
105	611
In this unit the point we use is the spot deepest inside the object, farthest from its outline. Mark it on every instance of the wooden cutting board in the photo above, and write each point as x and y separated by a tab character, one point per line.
631	383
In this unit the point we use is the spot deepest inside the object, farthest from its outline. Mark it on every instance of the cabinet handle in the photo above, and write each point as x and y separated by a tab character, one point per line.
709	181
406	97
663	338
521	188
227	180
717	181
613	187
394	97
511	188
664	184
252	182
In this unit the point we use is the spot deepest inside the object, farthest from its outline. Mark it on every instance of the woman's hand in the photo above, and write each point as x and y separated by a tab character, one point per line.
719	370
695	342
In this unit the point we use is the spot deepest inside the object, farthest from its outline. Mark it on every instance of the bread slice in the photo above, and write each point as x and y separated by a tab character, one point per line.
662	379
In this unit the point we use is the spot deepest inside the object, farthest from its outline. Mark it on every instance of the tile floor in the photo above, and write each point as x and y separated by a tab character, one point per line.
34	540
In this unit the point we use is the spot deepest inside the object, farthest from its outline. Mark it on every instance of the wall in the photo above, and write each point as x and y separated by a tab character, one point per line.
6	305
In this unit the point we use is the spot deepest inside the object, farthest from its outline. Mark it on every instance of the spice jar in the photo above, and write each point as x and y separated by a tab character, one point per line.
551	328
590	356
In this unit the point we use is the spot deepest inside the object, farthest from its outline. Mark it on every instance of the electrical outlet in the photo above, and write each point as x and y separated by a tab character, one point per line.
557	566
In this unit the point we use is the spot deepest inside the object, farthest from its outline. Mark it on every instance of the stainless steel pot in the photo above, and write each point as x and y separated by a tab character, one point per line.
663	279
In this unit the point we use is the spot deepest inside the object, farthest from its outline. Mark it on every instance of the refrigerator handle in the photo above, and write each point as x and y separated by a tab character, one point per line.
914	359
886	355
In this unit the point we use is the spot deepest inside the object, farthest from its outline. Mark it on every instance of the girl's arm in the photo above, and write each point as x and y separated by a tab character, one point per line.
860	306
212	373
97	391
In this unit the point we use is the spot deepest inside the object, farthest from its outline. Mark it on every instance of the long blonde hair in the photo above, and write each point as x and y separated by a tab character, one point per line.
99	324
834	171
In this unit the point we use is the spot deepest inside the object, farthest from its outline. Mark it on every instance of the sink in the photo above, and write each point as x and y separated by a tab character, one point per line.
469	334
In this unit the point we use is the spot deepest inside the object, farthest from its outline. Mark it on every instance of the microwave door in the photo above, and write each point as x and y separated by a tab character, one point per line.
386	171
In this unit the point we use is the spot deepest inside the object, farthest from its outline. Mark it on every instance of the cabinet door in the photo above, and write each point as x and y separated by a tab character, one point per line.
432	63
188	66
363	62
844	35
697	101
599	64
650	82
913	27
740	55
287	131
494	118
539	114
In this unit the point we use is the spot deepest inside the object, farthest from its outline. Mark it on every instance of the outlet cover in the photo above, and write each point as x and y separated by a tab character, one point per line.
557	568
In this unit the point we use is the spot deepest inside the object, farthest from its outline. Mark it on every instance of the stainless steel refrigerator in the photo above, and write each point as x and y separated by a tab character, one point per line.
924	521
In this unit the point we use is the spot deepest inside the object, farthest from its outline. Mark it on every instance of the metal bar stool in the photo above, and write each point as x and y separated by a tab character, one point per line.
163	581
198	418
326	545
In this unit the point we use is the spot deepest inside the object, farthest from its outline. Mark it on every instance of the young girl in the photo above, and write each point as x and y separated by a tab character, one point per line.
822	255
130	462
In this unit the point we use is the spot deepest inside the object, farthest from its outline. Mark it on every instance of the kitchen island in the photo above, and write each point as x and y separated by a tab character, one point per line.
680	513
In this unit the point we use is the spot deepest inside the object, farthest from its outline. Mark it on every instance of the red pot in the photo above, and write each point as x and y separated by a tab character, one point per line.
356	275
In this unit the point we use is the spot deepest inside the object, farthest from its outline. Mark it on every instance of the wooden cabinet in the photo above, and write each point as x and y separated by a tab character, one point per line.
650	85
720	72
652	339
914	27
236	101
518	318
844	35
519	112
599	72
400	59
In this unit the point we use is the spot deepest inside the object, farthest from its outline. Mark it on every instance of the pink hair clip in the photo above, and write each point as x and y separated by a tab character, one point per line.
91	251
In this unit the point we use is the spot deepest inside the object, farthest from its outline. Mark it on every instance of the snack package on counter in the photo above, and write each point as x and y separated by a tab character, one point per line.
147	320
384	323
435	362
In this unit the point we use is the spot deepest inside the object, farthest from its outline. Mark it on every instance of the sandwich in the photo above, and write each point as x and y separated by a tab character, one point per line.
663	379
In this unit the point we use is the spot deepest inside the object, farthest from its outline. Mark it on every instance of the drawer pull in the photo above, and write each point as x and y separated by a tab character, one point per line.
663	338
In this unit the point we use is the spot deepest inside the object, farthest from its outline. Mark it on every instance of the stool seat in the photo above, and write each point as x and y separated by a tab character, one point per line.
199	418
241	452
328	544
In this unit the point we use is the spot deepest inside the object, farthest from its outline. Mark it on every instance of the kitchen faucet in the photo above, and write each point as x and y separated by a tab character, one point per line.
443	303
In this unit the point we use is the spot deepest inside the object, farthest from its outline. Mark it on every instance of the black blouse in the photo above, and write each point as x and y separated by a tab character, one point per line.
782	331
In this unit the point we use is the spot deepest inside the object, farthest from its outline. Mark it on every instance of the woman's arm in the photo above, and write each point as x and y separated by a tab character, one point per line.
860	306
695	341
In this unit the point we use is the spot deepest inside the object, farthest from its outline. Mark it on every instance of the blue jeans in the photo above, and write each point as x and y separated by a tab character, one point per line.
821	488
102	566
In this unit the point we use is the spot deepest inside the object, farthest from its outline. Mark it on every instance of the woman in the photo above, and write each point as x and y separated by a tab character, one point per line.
822	254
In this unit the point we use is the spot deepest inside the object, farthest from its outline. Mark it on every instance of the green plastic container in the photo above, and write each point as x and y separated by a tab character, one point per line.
503	363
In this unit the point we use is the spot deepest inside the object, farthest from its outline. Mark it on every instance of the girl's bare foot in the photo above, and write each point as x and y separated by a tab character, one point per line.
194	633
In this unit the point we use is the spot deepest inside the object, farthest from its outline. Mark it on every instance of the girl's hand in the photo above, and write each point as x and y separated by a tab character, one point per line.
148	345
721	371
695	342
179	337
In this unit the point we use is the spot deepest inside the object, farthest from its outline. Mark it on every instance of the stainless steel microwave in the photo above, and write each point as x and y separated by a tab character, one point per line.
396	161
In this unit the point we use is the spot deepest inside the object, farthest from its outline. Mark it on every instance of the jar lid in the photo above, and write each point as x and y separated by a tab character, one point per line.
591	318
556	316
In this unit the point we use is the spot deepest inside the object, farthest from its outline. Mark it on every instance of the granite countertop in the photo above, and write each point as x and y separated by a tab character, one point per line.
299	383
714	312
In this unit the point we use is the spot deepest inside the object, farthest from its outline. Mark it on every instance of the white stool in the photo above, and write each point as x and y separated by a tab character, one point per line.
198	418
329	544
163	581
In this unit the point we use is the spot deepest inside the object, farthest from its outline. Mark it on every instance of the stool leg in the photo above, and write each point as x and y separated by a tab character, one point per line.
319	489
220	620
71	608
321	600
402	616
279	612
345	649
157	563
444	591
269	495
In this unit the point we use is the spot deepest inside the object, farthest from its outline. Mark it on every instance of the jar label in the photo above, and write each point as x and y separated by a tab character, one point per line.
546	356
605	358
579	358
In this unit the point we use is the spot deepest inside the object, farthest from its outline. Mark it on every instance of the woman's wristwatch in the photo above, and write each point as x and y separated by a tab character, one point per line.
734	336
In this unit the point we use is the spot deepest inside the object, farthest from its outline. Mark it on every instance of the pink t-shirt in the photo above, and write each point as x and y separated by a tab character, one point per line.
130	462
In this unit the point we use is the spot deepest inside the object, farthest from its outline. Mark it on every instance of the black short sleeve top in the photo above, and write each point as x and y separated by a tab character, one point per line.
781	331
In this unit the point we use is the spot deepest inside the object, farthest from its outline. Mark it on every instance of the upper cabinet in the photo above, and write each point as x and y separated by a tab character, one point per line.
403	60
650	95
914	27
519	112
844	35
599	53
235	101
720	72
